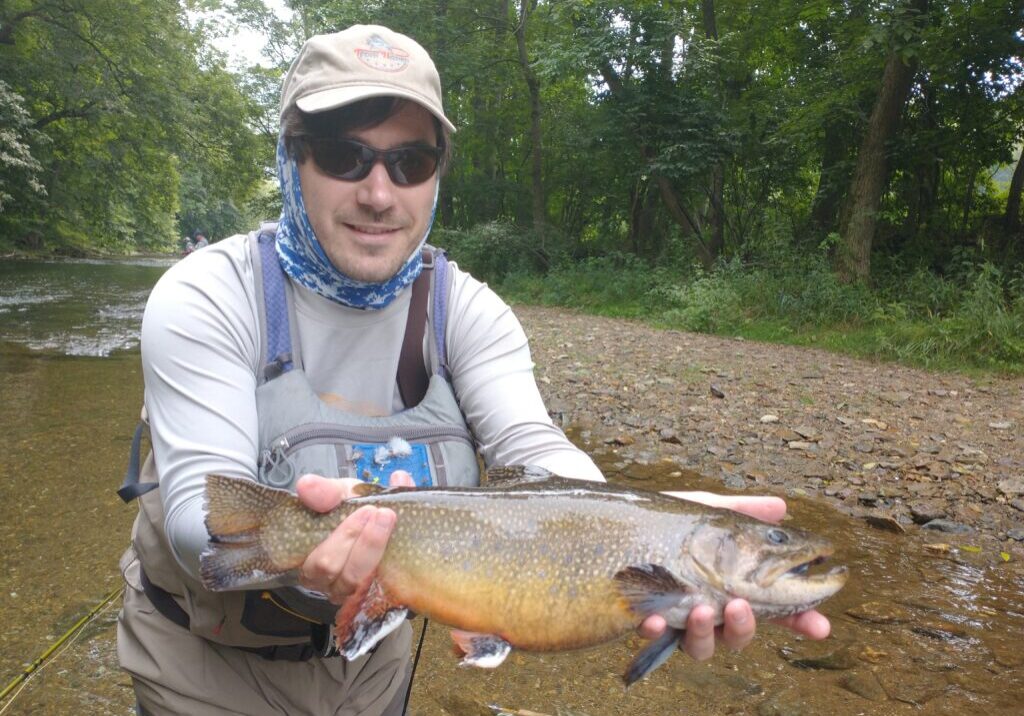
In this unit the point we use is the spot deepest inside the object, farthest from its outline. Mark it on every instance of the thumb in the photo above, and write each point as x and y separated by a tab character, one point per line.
322	494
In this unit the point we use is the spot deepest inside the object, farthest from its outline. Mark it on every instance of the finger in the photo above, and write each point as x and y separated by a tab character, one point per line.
699	642
761	507
812	624
401	478
366	553
652	627
324	494
324	564
739	626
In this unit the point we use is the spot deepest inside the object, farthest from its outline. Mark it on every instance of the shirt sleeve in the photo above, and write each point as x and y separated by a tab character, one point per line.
492	373
199	349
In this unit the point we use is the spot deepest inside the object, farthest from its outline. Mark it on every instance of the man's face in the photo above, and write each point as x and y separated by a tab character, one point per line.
368	228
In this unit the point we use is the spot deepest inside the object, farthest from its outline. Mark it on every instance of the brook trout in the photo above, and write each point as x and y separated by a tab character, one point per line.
532	561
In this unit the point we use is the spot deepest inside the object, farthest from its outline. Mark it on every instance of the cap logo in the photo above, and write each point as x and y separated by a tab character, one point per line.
379	55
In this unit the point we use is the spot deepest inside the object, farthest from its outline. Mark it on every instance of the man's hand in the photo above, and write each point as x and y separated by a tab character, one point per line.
350	555
739	625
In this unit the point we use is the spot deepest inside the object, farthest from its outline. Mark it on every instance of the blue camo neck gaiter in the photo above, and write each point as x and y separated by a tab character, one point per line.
303	258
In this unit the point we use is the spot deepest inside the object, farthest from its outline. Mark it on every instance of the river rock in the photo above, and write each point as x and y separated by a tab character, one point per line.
807	433
1005	650
949	526
880	613
864	446
884	522
924	511
782	704
911	686
1013	487
865	685
821	655
668	435
939	629
1016	534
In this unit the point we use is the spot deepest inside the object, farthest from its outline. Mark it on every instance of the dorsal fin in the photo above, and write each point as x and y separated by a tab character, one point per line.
365	489
518	474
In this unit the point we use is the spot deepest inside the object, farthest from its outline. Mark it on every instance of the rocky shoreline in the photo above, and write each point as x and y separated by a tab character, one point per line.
902	448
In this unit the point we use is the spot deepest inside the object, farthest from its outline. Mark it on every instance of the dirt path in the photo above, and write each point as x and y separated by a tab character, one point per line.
900	446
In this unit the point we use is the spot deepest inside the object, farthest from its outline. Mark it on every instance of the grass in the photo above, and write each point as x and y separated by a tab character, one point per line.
969	320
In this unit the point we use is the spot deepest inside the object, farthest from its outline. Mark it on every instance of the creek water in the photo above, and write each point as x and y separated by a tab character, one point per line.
917	630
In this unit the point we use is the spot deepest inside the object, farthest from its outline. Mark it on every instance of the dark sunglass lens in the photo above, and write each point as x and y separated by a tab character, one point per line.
342	158
413	165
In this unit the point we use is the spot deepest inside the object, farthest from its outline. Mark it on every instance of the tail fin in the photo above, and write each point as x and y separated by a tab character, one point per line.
235	508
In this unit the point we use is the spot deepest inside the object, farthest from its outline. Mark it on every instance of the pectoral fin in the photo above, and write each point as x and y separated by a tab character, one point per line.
651	589
365	619
485	651
652	656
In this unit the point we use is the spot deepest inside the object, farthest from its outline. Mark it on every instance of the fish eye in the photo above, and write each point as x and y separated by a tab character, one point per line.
777	536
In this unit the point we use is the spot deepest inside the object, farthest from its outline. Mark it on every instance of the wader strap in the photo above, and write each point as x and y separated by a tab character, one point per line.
275	308
132	488
412	371
164	603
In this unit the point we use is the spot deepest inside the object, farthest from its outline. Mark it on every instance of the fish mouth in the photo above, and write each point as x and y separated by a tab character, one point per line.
797	584
805	569
803	572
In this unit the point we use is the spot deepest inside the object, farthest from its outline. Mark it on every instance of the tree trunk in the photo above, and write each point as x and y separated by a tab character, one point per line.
829	195
536	134
642	239
925	171
716	189
853	257
1012	217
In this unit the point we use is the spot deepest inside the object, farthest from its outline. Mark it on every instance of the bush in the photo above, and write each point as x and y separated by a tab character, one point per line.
496	249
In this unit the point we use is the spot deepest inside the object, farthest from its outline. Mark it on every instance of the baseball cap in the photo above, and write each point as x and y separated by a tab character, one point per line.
364	61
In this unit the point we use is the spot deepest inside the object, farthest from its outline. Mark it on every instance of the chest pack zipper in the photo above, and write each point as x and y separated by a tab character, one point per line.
278	452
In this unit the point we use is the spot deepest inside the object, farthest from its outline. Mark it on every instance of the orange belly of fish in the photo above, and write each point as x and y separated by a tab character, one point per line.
538	615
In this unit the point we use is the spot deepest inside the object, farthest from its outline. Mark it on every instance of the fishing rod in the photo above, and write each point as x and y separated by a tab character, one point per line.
41	659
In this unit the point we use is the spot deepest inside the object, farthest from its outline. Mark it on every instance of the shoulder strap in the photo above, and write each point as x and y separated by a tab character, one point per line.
413	376
412	371
271	286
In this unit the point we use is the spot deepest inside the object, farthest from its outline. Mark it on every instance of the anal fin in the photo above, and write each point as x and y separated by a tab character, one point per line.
485	651
365	619
653	655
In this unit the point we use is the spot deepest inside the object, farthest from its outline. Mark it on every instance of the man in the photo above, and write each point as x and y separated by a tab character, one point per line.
264	356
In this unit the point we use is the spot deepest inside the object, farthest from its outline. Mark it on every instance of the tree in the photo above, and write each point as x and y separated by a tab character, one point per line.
859	218
19	170
123	96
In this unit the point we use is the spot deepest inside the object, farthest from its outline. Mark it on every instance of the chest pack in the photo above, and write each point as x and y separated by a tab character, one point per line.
299	433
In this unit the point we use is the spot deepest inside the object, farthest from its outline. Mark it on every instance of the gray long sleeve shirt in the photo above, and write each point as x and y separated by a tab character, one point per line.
200	349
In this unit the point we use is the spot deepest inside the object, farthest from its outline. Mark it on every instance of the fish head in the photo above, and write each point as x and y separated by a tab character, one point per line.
774	568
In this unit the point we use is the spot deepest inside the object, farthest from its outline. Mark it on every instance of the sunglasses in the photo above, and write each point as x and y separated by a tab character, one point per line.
349	160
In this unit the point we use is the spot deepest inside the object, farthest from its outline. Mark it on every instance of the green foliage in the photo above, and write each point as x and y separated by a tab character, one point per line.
975	320
493	250
19	170
120	108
